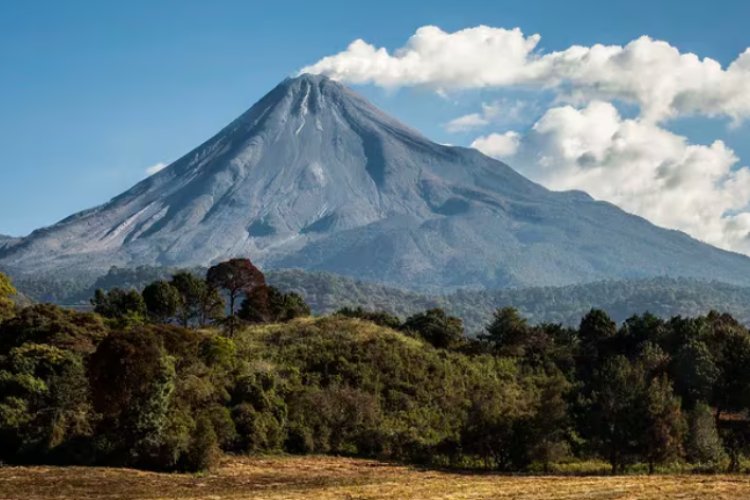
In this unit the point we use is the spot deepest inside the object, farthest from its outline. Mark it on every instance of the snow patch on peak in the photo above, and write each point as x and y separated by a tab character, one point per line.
303	106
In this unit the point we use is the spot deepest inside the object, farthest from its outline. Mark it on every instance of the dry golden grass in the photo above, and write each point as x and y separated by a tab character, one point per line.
325	478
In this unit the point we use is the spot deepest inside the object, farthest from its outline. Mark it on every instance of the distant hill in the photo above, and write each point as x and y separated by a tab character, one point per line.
326	293
315	177
7	241
664	297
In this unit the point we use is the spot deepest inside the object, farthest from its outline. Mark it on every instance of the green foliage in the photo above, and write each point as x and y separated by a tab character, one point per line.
198	303
614	410
75	388
162	300
45	407
48	324
268	304
732	392
326	293
7	291
665	425
381	318
436	327
694	368
125	307
203	452
158	393
704	446
508	331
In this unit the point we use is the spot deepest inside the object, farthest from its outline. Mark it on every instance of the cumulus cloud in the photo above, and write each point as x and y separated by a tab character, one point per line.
639	166
498	111
153	169
583	142
652	74
498	145
466	122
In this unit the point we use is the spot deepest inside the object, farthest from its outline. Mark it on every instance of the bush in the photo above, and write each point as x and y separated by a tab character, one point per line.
203	451
436	327
704	446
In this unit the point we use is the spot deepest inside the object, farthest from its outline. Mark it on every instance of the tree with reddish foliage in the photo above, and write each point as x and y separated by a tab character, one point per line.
237	277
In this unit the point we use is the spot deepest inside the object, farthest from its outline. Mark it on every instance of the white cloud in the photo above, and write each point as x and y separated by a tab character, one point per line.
652	74
153	169
634	163
466	122
499	111
639	166
498	145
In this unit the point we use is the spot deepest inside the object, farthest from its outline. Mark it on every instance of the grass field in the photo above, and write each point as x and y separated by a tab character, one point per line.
325	478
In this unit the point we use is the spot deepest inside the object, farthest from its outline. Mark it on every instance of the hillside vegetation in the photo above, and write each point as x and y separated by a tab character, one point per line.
663	297
326	293
190	368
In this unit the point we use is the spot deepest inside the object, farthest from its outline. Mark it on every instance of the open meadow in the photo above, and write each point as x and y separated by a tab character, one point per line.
333	478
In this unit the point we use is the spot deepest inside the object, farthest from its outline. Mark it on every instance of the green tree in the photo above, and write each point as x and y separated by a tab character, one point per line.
508	331
287	306
637	331
547	430
614	411
191	290
732	392
199	303
596	338
704	445
665	424
595	329
162	300
132	380
436	327
695	372
126	307
490	428
211	307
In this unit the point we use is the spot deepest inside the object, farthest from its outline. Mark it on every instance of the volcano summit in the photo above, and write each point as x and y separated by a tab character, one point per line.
315	177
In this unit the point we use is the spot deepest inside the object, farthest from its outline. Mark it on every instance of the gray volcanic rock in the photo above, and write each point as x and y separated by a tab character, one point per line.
315	177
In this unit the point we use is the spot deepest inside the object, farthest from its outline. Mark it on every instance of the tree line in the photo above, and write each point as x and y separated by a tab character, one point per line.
325	293
169	377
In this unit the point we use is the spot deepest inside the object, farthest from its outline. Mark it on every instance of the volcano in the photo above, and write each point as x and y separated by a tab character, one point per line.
315	177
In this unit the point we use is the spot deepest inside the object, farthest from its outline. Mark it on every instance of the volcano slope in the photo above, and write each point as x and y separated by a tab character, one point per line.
315	177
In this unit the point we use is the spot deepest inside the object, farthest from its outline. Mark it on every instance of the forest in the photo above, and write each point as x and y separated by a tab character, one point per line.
325	293
190	367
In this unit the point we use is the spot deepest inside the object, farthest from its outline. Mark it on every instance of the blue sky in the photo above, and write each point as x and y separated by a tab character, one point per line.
94	93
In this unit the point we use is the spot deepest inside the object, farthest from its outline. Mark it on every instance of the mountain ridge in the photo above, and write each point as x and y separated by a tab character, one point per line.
313	176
